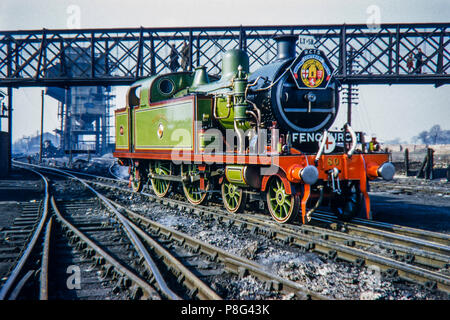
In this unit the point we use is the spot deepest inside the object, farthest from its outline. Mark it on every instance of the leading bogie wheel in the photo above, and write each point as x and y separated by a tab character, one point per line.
283	207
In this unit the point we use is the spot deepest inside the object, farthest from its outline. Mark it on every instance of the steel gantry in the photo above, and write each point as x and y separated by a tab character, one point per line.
121	56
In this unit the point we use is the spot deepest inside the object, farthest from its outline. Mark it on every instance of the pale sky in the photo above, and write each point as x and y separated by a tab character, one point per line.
387	111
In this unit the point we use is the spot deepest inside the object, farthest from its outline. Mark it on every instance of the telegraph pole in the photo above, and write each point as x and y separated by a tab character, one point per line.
349	92
42	126
349	105
10	107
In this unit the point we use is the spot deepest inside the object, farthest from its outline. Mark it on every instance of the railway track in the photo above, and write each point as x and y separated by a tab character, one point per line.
100	242
41	273
15	237
113	247
26	237
398	188
92	237
67	272
230	262
412	255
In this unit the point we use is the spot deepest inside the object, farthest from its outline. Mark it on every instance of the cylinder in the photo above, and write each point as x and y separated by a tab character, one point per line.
244	176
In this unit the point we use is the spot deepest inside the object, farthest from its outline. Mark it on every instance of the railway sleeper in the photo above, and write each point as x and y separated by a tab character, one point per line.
193	293
350	243
243	272
431	285
135	293
273	285
332	255
181	278
213	256
359	262
344	256
390	273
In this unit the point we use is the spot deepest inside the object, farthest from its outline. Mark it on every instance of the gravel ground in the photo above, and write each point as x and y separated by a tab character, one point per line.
335	279
425	210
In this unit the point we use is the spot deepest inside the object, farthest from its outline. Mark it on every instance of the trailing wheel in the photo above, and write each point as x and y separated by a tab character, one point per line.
191	185
348	204
234	198
135	178
283	207
160	186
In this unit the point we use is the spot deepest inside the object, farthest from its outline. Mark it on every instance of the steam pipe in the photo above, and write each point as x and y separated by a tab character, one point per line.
215	108
241	141
254	116
354	140
318	203
322	146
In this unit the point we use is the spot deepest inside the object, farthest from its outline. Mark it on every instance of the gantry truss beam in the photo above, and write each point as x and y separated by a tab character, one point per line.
121	56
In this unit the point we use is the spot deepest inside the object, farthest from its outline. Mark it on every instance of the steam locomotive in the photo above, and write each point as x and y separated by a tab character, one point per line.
259	137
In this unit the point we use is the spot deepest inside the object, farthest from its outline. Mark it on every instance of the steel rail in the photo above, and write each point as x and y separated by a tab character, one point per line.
150	264
331	249
324	241
335	250
431	238
432	241
393	267
436	237
43	291
406	249
20	284
411	188
18	269
204	292
148	290
182	237
234	263
358	227
415	250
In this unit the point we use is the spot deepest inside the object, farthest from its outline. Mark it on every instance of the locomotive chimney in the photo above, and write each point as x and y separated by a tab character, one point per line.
286	45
